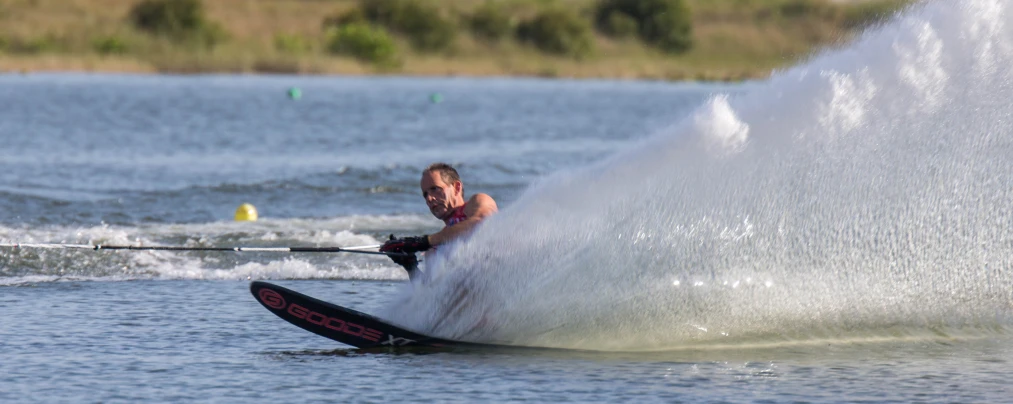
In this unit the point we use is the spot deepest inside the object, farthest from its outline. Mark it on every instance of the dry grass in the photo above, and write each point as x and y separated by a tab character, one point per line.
734	39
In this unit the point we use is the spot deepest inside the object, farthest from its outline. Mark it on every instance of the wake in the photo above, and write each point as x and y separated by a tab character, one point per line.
864	194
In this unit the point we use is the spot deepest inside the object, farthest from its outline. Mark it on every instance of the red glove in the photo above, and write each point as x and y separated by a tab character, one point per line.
403	250
409	245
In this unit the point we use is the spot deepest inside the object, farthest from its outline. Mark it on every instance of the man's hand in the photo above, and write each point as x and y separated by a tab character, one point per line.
409	262
403	251
408	245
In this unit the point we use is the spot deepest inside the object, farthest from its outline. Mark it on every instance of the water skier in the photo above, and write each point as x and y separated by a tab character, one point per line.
443	192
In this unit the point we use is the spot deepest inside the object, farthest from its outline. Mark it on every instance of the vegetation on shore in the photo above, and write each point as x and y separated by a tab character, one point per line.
651	39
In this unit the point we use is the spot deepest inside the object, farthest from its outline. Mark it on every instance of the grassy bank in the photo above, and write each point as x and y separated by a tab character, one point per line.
731	39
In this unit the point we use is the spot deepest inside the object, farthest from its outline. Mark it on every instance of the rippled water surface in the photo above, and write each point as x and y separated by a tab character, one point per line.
208	341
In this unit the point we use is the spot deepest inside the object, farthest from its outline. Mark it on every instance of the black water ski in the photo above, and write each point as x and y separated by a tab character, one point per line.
341	324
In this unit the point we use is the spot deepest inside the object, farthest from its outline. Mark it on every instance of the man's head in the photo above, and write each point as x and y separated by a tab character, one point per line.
442	189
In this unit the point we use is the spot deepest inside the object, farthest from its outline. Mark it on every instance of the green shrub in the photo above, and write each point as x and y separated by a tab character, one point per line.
383	12
490	22
47	43
291	43
620	25
560	32
212	34
862	14
180	20
802	8
349	17
363	42
422	22
111	45
168	16
665	24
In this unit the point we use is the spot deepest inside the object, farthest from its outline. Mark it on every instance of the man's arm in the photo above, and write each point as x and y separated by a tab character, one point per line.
479	207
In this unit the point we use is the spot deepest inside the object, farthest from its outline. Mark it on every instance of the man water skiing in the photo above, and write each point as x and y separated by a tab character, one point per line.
444	194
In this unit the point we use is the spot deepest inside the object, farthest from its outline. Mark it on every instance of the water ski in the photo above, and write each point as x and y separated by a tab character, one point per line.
342	324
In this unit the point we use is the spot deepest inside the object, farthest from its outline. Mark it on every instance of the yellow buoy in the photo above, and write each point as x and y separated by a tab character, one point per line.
246	213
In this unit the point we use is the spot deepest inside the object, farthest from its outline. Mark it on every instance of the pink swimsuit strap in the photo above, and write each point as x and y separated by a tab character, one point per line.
457	217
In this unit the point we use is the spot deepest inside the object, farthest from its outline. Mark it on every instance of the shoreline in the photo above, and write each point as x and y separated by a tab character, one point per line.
338	67
393	76
732	41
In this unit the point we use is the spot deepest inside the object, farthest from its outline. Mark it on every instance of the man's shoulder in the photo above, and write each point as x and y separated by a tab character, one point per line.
480	203
481	198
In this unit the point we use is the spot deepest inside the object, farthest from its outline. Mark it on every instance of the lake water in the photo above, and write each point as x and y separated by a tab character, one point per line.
837	233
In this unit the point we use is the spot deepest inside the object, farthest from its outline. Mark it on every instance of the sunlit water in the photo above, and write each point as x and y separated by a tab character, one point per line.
837	233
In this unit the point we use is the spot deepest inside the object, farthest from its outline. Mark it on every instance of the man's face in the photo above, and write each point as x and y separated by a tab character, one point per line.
442	198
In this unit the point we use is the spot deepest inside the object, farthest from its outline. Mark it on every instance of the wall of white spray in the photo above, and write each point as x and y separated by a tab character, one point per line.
863	194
